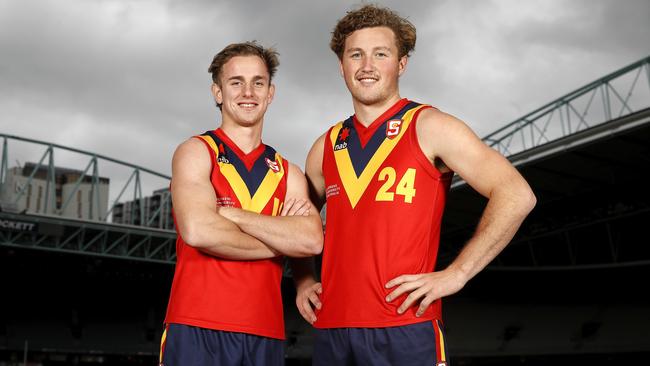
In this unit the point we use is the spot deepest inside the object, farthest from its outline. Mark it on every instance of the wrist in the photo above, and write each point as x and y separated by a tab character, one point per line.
460	275
304	282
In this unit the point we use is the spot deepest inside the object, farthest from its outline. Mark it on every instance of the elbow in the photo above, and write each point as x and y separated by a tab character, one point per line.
191	239
316	245
528	200
192	236
317	238
313	244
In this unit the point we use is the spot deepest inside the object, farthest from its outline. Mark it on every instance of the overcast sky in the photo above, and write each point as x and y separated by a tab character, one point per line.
128	79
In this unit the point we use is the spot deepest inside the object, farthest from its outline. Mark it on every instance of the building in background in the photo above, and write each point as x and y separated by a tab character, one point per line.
69	193
152	211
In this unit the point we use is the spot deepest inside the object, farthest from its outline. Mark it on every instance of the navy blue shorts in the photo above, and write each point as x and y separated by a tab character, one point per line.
184	345
414	344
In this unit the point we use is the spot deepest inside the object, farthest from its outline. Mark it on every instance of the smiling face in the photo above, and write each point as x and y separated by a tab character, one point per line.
371	65
245	90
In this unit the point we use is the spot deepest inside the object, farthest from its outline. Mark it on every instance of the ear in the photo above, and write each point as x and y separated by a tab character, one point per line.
271	93
216	92
341	68
402	64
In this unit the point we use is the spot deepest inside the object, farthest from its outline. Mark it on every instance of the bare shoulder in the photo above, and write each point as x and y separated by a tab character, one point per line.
318	145
315	156
191	155
296	182
191	146
295	171
439	134
433	123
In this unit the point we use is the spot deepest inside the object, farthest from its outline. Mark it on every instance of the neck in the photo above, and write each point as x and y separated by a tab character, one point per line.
368	113
247	138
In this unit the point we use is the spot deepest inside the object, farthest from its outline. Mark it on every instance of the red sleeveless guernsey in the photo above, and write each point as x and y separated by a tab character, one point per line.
384	208
237	296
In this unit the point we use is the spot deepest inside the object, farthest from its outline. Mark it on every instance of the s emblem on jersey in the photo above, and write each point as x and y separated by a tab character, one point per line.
441	364
273	165
392	128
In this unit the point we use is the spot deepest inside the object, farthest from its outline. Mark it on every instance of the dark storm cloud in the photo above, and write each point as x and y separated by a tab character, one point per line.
128	79
492	62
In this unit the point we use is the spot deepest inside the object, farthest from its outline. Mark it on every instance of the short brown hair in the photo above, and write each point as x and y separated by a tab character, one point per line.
374	16
251	48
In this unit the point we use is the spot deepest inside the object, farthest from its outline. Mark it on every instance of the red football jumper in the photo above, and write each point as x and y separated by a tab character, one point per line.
230	295
384	208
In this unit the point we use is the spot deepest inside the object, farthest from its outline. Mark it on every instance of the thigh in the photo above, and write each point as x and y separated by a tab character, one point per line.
185	345
407	345
332	347
263	351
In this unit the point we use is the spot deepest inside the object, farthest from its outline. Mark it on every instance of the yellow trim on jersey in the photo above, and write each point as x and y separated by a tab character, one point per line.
443	356
210	142
237	183
356	186
264	191
267	187
231	175
162	343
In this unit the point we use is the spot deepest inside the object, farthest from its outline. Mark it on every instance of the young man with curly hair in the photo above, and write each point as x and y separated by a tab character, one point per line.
385	173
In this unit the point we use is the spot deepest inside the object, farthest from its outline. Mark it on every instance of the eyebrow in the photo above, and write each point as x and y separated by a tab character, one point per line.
241	78
354	49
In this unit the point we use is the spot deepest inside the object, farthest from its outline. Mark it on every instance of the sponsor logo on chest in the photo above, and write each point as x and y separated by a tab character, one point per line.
341	146
342	141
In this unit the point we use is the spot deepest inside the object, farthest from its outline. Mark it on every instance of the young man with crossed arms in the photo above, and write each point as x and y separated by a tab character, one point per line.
239	206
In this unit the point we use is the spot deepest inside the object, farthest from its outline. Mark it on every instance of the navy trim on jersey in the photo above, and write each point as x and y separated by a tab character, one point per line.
360	156
255	176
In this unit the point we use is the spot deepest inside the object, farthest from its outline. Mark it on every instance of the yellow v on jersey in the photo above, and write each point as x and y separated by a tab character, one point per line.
357	164
253	177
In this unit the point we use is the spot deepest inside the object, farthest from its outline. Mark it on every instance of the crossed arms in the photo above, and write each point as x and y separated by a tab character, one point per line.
233	233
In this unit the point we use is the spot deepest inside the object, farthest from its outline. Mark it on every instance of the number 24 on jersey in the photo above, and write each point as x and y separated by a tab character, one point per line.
405	187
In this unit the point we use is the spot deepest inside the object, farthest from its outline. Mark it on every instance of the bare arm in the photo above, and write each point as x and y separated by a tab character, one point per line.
510	199
195	207
289	234
307	289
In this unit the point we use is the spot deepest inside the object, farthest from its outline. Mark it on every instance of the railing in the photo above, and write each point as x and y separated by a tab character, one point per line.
137	176
620	93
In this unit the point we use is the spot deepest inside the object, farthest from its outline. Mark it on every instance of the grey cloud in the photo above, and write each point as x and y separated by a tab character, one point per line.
128	79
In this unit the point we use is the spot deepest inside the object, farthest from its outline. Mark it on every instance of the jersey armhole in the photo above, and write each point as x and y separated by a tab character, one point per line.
420	156
211	152
326	142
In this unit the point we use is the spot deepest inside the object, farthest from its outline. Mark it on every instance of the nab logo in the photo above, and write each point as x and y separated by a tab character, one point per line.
341	146
222	155
343	139
392	128
273	165
223	159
